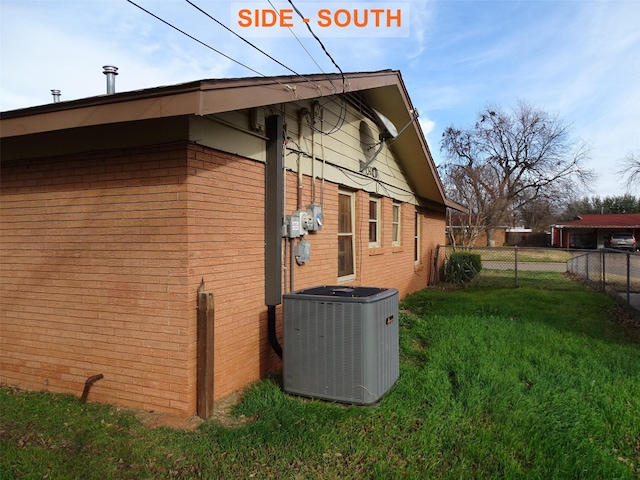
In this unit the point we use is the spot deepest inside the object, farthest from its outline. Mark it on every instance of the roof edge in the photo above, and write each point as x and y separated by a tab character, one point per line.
316	81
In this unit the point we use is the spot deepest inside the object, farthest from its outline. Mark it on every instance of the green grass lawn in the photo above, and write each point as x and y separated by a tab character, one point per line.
525	254
534	382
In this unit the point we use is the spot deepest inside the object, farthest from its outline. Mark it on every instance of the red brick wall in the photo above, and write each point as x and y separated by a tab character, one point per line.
226	249
393	266
385	266
94	257
103	255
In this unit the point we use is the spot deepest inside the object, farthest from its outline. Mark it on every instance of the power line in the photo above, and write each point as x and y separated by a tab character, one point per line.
343	110
303	47
243	39
318	40
342	118
195	39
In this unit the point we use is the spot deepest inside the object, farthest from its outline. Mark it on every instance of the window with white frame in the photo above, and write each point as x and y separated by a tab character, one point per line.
416	238
395	224
374	222
346	237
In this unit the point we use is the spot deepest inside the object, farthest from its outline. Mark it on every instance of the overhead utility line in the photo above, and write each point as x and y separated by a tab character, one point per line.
195	39
343	109
244	39
302	45
335	90
342	116
318	40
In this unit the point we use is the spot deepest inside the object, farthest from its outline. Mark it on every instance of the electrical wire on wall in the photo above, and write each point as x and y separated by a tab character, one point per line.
341	116
363	181
359	179
349	146
343	113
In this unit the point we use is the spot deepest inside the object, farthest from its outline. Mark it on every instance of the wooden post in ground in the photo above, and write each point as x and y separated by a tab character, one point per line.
205	354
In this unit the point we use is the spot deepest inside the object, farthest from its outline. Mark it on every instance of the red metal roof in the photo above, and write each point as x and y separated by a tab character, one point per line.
606	220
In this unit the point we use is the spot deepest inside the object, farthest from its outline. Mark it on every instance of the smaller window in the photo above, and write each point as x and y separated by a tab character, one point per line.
346	240
395	225
416	238
374	222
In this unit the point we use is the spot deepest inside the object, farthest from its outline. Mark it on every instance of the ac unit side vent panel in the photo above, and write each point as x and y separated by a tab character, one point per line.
341	348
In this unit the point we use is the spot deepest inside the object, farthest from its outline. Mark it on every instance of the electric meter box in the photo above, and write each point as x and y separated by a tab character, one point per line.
299	223
315	212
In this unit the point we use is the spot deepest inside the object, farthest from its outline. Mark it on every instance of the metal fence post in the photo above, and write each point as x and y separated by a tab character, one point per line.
587	266
604	271
515	280
629	280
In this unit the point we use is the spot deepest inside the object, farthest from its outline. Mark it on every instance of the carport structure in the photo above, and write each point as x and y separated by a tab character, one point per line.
589	230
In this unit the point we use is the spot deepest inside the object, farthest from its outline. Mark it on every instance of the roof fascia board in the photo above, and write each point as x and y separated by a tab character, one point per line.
183	103
456	206
209	97
196	98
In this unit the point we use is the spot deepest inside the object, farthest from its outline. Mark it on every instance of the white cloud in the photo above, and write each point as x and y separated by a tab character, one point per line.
576	58
426	125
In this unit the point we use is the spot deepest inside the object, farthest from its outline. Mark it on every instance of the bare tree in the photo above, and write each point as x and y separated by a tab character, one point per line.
465	227
631	169
509	160
539	213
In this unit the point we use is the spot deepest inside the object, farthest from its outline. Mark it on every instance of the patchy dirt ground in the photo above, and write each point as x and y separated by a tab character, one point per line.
629	320
221	413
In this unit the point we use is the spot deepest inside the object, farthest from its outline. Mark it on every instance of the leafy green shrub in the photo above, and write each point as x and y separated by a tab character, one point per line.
462	267
475	260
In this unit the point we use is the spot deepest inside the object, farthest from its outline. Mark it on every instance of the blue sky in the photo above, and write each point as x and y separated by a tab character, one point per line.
574	58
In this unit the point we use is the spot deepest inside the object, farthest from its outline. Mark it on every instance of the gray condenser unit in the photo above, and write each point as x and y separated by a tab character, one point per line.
341	343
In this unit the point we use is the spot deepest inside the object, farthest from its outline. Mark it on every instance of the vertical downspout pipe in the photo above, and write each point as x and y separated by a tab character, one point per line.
271	327
292	257
273	225
315	109
301	114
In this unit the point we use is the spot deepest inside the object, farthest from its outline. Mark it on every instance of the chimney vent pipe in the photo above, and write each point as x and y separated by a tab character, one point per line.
56	95
111	72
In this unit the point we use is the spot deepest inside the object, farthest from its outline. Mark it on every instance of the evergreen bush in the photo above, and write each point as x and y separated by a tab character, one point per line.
462	267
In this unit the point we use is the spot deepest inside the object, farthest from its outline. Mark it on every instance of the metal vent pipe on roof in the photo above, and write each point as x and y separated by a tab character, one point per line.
56	95
110	71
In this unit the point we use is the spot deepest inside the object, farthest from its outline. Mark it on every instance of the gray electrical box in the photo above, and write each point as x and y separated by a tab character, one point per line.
297	224
315	213
303	252
341	343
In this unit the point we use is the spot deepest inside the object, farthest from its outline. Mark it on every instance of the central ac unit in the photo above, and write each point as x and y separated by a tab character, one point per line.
341	343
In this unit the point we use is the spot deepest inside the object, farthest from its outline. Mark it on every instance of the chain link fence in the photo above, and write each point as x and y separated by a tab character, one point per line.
604	269
613	270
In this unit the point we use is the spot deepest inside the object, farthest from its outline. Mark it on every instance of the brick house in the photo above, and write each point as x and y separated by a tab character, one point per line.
117	210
